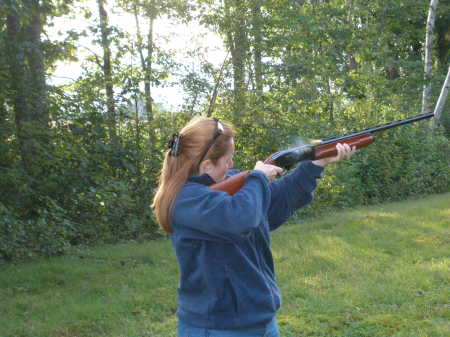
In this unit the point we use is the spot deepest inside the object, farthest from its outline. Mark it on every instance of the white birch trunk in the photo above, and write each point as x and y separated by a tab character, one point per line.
426	97
441	101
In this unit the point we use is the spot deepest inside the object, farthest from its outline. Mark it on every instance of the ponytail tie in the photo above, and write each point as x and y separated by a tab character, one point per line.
174	144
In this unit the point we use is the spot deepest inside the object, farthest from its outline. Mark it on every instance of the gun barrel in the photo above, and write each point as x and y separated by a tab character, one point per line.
380	127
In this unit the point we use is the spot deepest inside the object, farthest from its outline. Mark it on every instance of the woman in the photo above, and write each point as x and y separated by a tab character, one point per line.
227	282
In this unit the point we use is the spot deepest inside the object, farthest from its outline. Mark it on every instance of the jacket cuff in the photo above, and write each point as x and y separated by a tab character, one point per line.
313	170
260	174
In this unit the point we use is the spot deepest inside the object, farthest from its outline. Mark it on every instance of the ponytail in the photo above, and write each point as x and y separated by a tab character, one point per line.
193	140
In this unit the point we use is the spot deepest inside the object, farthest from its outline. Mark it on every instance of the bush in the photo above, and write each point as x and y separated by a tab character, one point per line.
106	213
90	193
46	234
403	163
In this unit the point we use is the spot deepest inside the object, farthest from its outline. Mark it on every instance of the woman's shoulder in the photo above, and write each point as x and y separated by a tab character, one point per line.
194	193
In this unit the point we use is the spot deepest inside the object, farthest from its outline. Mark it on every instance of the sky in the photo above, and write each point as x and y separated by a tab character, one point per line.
175	36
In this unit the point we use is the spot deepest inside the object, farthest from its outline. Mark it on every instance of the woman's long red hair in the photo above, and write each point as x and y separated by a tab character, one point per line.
195	137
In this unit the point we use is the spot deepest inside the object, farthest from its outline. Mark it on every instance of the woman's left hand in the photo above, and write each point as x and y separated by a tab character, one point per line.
343	152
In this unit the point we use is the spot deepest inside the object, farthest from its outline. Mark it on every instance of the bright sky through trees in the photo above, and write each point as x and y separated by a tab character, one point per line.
177	38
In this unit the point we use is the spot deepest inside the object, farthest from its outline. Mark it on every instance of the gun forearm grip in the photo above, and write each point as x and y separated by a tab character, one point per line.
329	150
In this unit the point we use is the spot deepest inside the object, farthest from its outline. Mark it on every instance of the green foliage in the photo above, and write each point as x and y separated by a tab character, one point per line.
294	71
407	163
48	233
403	163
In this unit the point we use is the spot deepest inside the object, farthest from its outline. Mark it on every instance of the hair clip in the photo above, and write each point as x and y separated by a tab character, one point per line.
219	128
174	144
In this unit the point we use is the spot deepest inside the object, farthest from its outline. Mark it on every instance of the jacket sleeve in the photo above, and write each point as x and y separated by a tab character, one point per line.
219	215
291	192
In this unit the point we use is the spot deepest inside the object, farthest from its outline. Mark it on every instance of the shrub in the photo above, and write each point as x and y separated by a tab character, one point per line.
403	163
46	234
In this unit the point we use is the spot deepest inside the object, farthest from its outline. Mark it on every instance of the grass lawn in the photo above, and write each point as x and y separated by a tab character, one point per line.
372	271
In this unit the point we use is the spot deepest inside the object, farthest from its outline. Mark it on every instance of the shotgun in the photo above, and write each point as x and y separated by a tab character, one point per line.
326	148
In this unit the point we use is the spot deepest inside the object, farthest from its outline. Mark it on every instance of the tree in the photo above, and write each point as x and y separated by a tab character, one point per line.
236	21
155	63
107	69
4	80
257	45
426	96
146	56
443	35
29	97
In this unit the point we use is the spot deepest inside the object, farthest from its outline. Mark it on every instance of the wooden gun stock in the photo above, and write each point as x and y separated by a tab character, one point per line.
232	184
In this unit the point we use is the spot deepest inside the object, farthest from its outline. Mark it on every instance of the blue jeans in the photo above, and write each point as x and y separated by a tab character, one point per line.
267	330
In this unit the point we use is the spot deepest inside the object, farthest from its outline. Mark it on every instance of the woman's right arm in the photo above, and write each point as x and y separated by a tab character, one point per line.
217	214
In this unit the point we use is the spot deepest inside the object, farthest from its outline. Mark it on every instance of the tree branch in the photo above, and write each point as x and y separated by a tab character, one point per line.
441	101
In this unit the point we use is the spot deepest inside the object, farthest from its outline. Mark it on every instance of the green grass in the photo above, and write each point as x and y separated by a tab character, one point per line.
373	271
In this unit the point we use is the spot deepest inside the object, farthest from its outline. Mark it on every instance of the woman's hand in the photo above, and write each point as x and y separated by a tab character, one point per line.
343	152
271	171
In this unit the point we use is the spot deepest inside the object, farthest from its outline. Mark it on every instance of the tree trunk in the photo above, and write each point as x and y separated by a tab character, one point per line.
218	81
35	57
137	141
28	87
237	41
426	97
148	79
329	108
2	113
146	66
107	70
257	47
443	40
17	71
4	79
4	134
3	92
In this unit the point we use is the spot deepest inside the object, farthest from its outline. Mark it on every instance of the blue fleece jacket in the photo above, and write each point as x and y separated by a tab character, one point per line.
222	243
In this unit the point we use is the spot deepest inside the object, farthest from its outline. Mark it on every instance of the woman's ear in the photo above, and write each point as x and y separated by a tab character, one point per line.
205	166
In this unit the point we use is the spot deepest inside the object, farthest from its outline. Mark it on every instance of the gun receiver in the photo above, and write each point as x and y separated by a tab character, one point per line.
326	148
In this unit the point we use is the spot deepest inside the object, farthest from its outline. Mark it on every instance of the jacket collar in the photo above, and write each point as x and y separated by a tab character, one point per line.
204	179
